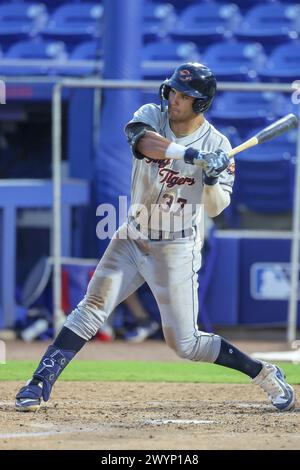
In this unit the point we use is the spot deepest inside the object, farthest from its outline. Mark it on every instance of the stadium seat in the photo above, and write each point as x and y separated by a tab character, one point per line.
33	49
52	5
21	20
178	4
89	50
231	133
264	178
158	20
233	60
205	23
241	109
265	174
162	56
283	64
75	23
247	4
270	24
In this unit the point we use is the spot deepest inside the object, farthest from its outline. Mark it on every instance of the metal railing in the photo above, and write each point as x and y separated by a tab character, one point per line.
128	84
96	83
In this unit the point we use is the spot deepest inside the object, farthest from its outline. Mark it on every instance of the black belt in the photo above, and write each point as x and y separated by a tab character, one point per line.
159	235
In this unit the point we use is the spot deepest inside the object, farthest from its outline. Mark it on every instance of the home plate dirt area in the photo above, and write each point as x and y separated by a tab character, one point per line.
119	415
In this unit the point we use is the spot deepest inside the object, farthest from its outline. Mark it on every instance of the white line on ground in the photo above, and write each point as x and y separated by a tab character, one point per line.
159	422
54	432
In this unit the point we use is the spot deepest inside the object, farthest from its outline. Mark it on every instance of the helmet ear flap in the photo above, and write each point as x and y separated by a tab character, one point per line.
200	105
197	106
164	91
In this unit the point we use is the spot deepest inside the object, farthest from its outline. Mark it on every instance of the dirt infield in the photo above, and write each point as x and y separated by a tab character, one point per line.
95	415
135	416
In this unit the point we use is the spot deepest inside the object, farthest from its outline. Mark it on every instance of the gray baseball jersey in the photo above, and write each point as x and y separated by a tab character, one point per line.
170	190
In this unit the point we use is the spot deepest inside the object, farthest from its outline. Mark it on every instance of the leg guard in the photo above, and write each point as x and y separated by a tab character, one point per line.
51	366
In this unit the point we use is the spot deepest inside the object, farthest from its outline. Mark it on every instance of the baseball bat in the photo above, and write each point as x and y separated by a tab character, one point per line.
276	128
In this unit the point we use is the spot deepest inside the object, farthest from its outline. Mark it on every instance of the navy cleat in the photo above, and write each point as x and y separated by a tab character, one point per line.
272	380
29	397
39	387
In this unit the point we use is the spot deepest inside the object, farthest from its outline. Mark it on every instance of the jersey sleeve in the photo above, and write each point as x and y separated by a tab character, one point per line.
226	178
148	114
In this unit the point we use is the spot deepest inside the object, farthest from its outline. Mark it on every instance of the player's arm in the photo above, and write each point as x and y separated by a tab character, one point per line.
215	199
217	182
146	142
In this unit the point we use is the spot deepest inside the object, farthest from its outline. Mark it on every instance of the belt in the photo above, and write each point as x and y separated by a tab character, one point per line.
159	235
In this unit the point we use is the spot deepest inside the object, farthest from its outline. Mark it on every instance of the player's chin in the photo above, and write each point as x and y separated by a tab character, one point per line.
175	115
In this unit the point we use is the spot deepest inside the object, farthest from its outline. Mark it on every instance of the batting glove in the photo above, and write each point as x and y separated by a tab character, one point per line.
216	163
213	163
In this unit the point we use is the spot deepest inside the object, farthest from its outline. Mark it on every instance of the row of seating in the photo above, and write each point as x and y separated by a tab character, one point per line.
265	175
230	60
179	5
204	22
244	109
265	178
240	115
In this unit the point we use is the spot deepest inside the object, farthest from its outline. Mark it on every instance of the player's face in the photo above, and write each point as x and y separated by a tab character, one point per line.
180	107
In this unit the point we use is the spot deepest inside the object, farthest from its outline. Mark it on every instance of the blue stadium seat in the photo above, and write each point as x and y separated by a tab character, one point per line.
158	20
21	20
231	133
265	174
33	49
89	50
270	23
161	56
241	109
206	22
247	4
234	61
179	4
53	4
283	64
75	23
265	178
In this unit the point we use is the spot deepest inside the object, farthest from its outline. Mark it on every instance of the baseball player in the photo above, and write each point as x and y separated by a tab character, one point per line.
180	165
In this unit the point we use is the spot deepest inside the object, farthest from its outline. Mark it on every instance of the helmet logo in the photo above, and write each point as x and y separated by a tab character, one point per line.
185	75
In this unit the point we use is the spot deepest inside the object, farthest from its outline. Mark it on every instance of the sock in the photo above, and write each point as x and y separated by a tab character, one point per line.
230	356
68	340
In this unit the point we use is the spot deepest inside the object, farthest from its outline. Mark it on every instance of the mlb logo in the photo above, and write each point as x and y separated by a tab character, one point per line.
270	281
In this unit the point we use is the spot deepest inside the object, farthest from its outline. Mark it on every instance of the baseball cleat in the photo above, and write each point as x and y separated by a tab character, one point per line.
29	397
272	380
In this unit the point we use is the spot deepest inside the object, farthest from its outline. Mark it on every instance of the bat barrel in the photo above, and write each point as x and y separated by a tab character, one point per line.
277	128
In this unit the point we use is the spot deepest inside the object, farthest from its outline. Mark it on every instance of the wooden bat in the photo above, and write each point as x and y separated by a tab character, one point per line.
276	128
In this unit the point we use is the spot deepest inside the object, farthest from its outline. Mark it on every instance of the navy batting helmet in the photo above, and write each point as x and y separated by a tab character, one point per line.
194	80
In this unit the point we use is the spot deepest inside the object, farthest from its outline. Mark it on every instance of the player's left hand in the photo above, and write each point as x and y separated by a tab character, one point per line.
214	163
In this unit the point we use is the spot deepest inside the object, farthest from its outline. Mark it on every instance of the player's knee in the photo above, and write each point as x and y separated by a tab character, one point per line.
185	350
169	337
204	348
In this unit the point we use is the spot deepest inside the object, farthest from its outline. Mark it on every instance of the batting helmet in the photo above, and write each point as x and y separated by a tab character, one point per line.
194	80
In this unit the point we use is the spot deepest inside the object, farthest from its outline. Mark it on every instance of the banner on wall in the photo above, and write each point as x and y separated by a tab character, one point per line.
271	281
